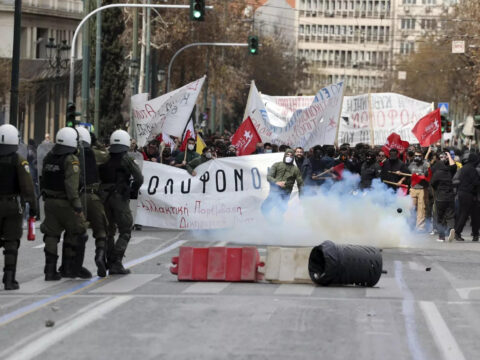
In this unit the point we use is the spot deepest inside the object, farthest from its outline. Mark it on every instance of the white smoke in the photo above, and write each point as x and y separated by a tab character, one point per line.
338	212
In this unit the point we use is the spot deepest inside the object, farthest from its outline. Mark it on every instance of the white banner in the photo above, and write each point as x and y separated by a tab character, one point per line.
226	192
384	113
168	113
278	120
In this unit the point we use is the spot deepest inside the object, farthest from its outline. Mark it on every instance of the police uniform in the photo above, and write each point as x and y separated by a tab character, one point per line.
115	175
63	211
16	188
94	207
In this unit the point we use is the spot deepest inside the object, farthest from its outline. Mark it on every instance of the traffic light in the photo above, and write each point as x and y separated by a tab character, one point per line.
448	127
71	112
253	45
444	123
197	10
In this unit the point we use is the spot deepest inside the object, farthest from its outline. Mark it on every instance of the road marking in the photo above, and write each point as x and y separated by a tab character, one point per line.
386	288
57	334
464	293
9	317
295	289
38	284
41	246
408	312
441	333
125	283
206	288
416	266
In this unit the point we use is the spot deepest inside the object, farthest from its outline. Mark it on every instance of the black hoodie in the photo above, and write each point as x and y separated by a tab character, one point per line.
441	181
469	178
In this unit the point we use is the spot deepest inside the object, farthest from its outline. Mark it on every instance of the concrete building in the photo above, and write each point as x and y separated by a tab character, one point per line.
359	41
276	18
43	87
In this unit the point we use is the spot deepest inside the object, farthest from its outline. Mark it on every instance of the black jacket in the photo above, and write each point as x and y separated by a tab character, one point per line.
441	181
469	178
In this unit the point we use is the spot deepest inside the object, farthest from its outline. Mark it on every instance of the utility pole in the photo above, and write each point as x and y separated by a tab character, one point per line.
17	28
135	53
85	65
147	50
98	69
141	85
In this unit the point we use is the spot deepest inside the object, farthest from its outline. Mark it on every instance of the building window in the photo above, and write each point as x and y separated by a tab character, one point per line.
408	24
406	48
413	2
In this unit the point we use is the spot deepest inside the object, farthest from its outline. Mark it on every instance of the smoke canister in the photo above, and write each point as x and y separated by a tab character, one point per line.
331	264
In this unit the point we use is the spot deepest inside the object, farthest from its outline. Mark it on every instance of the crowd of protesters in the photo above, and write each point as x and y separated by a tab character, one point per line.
445	189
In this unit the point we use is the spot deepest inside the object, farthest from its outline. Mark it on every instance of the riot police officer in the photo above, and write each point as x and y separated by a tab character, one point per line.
63	208
95	212
16	188
116	185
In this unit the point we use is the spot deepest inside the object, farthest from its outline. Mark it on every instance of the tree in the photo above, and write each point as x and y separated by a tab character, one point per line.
113	78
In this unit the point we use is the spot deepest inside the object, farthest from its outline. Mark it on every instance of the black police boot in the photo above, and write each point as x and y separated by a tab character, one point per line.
50	270
9	281
116	266
100	261
81	272
67	270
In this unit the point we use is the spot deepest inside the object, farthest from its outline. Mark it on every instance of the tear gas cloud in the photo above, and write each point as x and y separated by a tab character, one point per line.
338	212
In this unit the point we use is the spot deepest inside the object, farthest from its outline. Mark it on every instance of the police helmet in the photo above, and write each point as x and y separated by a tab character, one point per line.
67	137
84	135
119	141
8	139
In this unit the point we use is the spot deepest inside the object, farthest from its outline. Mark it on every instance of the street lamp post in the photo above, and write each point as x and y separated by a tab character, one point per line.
54	53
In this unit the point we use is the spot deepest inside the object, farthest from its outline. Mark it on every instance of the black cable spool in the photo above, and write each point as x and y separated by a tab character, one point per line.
331	264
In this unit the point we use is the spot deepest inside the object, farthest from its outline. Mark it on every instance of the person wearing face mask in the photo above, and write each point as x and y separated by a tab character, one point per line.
267	148
208	153
282	177
418	193
391	169
444	196
370	170
184	157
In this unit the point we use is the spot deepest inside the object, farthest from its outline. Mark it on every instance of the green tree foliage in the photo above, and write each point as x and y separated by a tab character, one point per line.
114	75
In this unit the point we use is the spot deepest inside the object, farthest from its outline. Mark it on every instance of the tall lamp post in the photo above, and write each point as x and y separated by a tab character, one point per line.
54	53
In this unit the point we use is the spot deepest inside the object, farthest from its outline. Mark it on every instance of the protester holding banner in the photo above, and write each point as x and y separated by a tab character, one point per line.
418	192
207	154
184	157
151	152
282	177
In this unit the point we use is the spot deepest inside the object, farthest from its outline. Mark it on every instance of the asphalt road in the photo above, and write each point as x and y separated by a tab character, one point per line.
426	307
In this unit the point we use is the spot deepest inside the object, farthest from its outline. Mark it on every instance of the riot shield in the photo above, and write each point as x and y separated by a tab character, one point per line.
42	150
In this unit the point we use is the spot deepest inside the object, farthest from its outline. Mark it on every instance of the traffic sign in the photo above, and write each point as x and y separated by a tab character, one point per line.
444	108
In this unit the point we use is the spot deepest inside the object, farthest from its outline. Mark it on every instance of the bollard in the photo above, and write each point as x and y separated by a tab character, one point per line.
331	264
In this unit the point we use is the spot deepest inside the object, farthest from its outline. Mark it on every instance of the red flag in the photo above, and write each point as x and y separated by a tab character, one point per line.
428	130
246	138
338	170
417	178
395	142
189	134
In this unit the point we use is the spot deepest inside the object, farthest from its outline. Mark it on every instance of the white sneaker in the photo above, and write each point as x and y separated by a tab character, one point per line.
433	232
440	240
451	235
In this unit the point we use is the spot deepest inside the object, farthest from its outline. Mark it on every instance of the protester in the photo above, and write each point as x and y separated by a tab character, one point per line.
208	153
184	157
392	171
442	175
468	188
370	170
418	192
304	165
282	177
151	151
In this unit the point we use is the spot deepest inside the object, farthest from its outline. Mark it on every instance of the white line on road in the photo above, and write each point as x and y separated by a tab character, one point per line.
441	333
41	246
295	289
46	341
206	288
221	244
126	283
